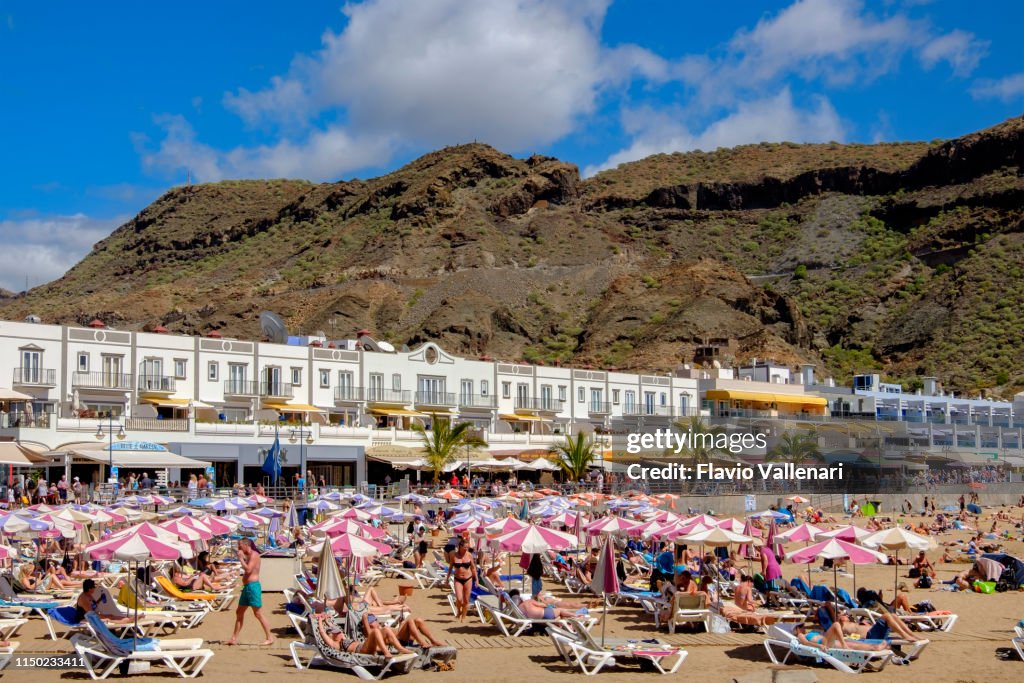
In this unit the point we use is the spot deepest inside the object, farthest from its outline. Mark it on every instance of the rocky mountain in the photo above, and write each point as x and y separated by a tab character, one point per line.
906	258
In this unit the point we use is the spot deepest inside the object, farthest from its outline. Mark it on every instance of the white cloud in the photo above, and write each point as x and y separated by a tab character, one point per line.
774	119
1007	89
47	246
958	48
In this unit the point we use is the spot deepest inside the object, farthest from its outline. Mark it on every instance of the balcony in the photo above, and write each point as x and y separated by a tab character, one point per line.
276	390
241	387
147	424
649	411
469	402
101	380
346	394
598	408
156	384
538	405
375	395
435	398
35	377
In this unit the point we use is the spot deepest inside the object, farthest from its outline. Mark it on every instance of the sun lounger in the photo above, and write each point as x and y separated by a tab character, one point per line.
103	652
784	648
917	622
187	615
358	663
689	609
9	627
7	653
910	649
1018	641
577	646
734	614
218	601
510	620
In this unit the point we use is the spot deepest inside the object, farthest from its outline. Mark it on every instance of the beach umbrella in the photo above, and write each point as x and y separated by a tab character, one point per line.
328	582
610	525
506	526
847	532
354	513
473	517
566	519
147	529
271	512
293	517
338	496
337	527
535	539
836	549
897	539
258	519
193	523
16	524
257	499
244	522
162	500
185	532
747	549
219	526
798	499
350	545
771	541
606	579
451	494
770	514
717	537
8	553
804	533
706	520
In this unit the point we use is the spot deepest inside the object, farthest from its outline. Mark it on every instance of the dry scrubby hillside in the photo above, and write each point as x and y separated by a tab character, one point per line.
902	257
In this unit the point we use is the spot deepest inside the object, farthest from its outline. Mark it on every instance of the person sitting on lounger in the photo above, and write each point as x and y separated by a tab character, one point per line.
535	609
902	600
875	631
89	599
832	638
56	578
744	595
375	643
193	582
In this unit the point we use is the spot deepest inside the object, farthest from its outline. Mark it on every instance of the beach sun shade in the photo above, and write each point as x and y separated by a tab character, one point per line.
225	505
897	539
847	532
606	579
337	527
800	534
535	539
354	513
505	526
219	526
798	499
610	525
147	529
16	524
328	584
717	537
350	545
136	547
186	533
269	512
835	549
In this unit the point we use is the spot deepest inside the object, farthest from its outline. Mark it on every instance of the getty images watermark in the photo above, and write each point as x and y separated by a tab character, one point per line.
681	443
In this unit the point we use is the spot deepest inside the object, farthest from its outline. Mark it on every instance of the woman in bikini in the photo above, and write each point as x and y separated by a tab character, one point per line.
832	638
375	643
464	568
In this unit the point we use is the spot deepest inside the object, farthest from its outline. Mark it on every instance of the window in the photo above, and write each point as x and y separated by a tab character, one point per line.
581	395
465	390
213	371
31	366
684	404
325	379
345	390
237	376
663	399
396	382
296	377
485	387
615	396
561	393
506	389
376	386
630	402
545	397
83	362
596	400
180	366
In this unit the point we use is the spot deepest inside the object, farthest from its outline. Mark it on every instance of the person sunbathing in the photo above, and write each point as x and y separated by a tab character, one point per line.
194	582
744	595
374	600
902	599
832	638
374	644
535	609
57	579
876	631
413	631
923	566
89	599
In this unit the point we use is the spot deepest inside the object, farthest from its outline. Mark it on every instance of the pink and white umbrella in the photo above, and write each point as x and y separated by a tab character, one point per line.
8	553
610	525
566	519
505	526
646	529
706	520
147	529
668	517
16	524
798	499
805	533
836	549
337	527
350	545
257	499
218	526
259	520
136	547
185	532
606	579
717	537
535	539
847	532
269	512
354	513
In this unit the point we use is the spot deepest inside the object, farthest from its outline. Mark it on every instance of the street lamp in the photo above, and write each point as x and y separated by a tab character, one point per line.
110	431
296	436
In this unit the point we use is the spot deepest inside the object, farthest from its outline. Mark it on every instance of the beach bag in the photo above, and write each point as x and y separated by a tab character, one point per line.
66	563
924	582
719	624
987	587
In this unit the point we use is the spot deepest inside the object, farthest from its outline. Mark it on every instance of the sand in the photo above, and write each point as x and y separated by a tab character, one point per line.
975	651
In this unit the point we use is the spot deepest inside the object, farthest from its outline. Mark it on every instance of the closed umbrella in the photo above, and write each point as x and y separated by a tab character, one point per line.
328	582
606	579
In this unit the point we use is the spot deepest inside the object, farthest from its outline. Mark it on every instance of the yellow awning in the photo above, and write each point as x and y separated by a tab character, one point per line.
175	403
294	407
396	411
765	397
524	418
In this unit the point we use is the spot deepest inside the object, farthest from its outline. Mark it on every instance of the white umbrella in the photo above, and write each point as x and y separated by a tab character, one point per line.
897	539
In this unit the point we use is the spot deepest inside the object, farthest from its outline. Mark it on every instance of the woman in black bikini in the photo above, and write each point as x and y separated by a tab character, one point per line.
464	567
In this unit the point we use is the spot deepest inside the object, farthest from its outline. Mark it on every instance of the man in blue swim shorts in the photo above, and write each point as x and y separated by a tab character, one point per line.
252	592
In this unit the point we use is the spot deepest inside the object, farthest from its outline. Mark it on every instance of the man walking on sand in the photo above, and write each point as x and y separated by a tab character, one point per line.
252	592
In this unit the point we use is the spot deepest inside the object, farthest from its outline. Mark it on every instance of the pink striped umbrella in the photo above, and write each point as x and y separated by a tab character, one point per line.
218	526
683	530
847	532
771	542
706	520
835	549
258	499
606	579
350	545
184	532
646	529
259	520
336	527
505	526
566	519
535	539
147	529
7	552
806	533
610	525
136	547
667	517
354	513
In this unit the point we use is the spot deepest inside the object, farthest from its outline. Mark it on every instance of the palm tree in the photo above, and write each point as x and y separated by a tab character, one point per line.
796	448
442	443
576	455
702	441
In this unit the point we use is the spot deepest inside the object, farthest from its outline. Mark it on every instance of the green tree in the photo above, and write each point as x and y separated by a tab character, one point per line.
796	448
702	441
442	442
576	455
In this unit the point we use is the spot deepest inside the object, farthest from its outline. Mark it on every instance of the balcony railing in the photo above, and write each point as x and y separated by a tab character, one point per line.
346	393
374	395
276	389
435	398
40	377
157	383
649	411
470	401
148	424
241	387
598	408
101	380
549	405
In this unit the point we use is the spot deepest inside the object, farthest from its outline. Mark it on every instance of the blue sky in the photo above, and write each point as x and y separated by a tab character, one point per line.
106	105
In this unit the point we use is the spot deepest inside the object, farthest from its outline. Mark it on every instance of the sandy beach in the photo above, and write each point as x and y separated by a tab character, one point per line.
975	650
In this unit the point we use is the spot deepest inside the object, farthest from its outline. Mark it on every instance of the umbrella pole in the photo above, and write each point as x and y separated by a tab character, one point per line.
896	574
835	583
604	617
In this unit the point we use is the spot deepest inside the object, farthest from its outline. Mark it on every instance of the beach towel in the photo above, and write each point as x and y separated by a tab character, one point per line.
800	585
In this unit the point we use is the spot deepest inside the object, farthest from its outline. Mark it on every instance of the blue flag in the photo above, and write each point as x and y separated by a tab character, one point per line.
272	464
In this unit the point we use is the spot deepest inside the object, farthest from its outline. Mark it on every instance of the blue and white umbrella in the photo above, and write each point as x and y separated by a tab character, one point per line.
268	512
770	514
319	506
225	505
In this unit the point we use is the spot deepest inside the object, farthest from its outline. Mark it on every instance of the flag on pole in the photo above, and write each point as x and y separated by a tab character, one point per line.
272	464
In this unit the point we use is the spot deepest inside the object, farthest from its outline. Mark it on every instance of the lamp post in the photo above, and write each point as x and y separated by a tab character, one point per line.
110	431
296	436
